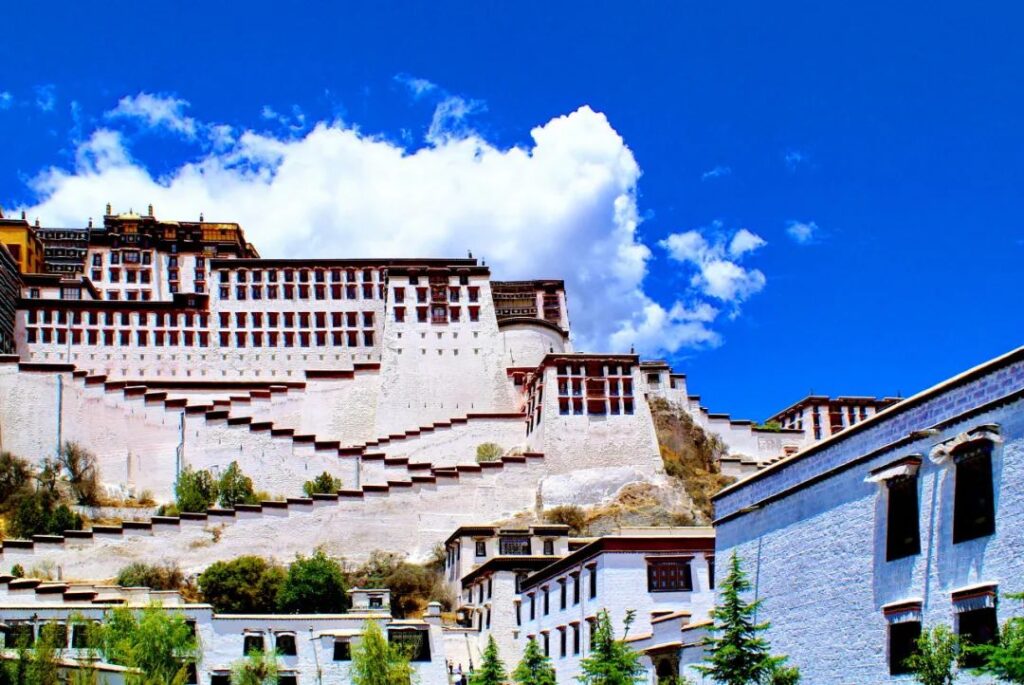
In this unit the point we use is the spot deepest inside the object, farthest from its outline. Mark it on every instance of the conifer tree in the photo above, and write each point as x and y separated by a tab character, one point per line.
535	668
610	662
739	656
492	670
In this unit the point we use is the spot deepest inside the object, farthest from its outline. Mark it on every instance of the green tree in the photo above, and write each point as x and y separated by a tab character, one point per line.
43	667
611	662
15	475
492	670
246	585
534	668
322	484
81	472
156	641
936	658
1005	658
195	491
489	451
738	655
377	662
313	585
234	487
411	585
257	668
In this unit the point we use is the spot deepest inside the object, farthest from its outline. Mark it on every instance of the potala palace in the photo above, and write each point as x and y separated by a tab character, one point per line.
163	345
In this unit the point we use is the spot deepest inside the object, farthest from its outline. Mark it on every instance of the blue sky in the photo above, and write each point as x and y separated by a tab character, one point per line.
778	197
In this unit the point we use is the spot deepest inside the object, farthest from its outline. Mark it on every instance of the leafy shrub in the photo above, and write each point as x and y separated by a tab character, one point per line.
246	585
15	474
314	584
165	576
569	515
195	491
81	472
18	571
324	483
234	487
39	513
488	451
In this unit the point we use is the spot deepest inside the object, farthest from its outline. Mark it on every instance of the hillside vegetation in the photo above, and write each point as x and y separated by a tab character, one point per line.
691	455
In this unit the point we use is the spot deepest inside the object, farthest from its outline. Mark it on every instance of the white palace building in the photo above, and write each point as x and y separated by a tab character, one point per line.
159	345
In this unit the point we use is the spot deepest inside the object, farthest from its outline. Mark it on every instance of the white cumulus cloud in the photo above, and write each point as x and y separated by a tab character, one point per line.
157	111
802	232
563	206
717	272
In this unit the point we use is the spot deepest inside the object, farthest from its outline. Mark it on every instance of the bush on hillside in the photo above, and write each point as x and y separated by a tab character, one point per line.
689	454
164	576
195	491
81	472
488	451
569	515
322	484
41	513
15	476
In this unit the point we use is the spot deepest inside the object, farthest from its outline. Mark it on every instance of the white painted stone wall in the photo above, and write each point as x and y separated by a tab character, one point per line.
411	520
816	557
431	372
527	344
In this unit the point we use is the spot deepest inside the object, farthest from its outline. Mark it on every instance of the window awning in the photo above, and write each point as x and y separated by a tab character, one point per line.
944	450
907	466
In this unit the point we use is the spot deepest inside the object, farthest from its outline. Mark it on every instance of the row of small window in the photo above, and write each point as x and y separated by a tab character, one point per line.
142	338
568	638
545	594
289	292
438	314
594	406
438	294
293	275
128	257
611	387
96	318
593	370
973	502
291	319
416	642
130	275
514	545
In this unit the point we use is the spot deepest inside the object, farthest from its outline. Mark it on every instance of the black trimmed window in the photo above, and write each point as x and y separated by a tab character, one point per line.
287	679
253	643
977	627
220	679
973	501
669	575
481	548
415	642
285	644
342	650
902	525
902	643
593	582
